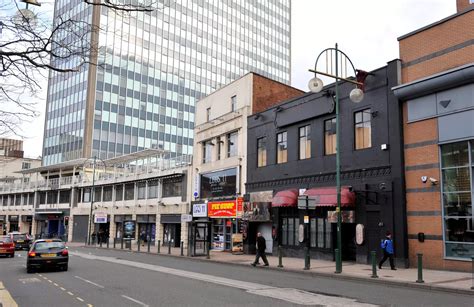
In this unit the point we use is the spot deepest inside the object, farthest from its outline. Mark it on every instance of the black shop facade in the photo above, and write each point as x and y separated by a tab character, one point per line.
291	156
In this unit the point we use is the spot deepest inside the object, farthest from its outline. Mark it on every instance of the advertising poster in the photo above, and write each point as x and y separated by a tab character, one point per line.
129	229
237	243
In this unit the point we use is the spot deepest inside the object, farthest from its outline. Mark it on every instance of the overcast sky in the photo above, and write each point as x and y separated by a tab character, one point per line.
366	30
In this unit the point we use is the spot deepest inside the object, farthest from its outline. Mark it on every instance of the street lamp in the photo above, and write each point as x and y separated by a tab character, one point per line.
338	71
94	163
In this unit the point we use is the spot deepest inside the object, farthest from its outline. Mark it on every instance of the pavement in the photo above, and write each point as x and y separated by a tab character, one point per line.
447	281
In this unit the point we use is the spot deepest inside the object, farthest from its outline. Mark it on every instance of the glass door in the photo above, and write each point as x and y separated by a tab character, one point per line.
218	234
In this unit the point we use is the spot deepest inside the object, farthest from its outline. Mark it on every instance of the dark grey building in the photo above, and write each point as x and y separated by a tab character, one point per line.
291	153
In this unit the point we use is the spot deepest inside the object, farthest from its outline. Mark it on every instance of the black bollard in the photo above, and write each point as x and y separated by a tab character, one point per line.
280	256
208	254
115	241
420	268
159	246
472	287
108	243
169	247
306	259
182	248
149	243
121	243
374	264
139	244
130	244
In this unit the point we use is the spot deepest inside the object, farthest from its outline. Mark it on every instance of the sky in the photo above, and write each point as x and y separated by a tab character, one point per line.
366	30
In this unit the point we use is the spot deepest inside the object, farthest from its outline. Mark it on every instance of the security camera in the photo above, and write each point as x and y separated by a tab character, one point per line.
433	181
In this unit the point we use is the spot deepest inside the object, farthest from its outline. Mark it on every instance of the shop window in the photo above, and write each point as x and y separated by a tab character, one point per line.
363	129
290	231
152	189
304	142
129	191
118	192
457	191
107	194
232	144
141	190
330	136
261	152
282	147
320	233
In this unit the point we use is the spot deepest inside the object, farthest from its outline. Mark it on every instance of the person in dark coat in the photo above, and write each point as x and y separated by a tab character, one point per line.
387	246
261	246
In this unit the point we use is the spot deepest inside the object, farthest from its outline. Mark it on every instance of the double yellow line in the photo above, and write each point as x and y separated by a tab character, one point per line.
5	298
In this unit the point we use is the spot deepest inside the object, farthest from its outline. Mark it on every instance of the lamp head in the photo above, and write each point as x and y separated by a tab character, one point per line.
356	95
315	85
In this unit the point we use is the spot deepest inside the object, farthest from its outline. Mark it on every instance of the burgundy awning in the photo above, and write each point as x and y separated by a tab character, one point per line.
286	198
327	196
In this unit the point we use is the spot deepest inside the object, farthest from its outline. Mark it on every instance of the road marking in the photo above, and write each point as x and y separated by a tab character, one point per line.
291	295
29	280
44	277
70	293
6	299
89	305
80	299
134	300
50	281
90	282
62	288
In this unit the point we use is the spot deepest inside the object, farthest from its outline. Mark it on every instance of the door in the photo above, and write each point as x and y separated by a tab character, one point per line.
200	237
373	233
79	228
266	231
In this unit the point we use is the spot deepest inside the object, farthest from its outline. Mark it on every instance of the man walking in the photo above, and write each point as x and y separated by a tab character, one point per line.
261	246
387	246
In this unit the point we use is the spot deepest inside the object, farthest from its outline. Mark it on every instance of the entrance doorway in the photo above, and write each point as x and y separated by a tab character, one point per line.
172	234
200	237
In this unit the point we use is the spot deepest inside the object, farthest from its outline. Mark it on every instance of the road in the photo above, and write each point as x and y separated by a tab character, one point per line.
118	278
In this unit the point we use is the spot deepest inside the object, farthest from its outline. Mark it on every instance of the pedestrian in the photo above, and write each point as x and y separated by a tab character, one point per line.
387	247
143	237
261	246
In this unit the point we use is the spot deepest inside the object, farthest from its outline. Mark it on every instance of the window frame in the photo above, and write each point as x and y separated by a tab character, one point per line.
233	103
307	142
284	140
361	124
325	135
264	152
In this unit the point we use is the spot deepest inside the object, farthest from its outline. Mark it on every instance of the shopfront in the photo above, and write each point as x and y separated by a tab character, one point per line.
226	224
50	224
13	219
200	229
27	221
171	229
119	225
257	218
147	226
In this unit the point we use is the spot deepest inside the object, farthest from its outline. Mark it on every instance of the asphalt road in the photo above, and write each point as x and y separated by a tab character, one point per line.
117	278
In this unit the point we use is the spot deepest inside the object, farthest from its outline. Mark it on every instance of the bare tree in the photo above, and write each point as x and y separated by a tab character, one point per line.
31	45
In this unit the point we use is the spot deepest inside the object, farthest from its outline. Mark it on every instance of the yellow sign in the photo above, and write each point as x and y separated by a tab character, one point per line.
306	219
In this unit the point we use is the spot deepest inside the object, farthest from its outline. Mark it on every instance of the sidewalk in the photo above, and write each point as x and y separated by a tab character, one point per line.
458	282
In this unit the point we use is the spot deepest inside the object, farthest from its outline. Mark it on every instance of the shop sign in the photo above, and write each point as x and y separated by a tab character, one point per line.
347	216
200	210
100	218
306	219
186	218
218	184
359	234
237	242
257	211
227	208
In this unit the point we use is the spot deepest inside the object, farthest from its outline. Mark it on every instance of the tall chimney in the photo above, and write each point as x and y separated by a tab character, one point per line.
464	4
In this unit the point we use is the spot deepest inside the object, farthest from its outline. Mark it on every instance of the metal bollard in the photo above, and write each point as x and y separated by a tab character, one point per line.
374	264
121	243
182	248
130	245
169	247
420	268
208	255
280	256
306	258
472	287
85	241
159	246
338	260
115	242
108	243
139	243
149	243
100	244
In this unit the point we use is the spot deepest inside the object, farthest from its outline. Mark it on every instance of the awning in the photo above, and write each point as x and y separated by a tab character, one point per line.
327	196
286	198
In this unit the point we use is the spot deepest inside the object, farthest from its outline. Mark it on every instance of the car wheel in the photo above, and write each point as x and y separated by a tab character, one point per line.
65	267
12	255
29	270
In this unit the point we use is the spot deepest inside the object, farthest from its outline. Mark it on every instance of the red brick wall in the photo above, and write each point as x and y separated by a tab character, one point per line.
268	93
462	5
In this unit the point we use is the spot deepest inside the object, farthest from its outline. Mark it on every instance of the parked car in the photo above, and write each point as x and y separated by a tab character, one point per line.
47	253
7	247
21	240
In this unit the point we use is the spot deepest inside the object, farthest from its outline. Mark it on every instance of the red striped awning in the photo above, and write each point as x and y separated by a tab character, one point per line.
327	196
286	198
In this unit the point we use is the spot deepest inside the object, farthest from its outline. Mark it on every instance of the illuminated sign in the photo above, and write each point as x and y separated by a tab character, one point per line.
227	208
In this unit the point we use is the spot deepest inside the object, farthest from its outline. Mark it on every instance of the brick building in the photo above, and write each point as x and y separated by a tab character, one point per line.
437	94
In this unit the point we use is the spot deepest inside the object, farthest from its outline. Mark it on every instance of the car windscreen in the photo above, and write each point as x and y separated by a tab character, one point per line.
19	237
5	239
44	246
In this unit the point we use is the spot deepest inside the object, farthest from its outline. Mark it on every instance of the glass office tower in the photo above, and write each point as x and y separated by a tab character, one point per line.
152	69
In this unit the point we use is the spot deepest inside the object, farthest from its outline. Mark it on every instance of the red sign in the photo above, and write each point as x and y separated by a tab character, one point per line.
227	208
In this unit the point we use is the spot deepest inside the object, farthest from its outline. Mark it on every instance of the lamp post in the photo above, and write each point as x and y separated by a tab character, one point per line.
338	71
89	231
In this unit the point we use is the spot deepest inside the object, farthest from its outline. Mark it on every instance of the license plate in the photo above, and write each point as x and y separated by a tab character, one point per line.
3	250
20	241
48	255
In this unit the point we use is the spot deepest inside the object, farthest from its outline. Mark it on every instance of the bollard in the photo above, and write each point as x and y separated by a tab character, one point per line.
472	287
374	264
169	247
121	243
208	255
130	245
306	258
100	244
108	243
420	268
115	242
149	243
85	241
139	244
338	260
182	248
159	246
280	256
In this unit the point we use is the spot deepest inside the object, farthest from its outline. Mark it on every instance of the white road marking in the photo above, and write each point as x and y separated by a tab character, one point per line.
294	296
80	299
56	284
62	288
70	293
134	300
29	280
90	282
